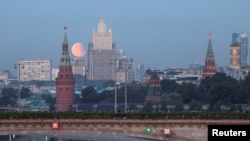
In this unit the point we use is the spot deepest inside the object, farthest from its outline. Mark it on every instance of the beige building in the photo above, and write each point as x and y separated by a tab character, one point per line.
78	66
235	58
37	69
101	54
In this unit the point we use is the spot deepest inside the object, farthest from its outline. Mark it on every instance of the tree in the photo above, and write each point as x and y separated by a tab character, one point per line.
89	95
168	86
9	96
172	99
243	92
187	90
25	92
221	94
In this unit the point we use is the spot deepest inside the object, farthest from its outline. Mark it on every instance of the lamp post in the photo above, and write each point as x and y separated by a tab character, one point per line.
126	87
115	96
18	65
113	64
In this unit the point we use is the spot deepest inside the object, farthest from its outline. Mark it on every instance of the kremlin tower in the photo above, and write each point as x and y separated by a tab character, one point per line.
210	67
154	91
65	81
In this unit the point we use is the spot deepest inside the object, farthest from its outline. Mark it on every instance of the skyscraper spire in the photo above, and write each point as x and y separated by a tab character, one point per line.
101	25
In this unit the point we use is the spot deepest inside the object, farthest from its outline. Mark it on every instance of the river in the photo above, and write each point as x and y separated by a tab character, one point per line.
68	137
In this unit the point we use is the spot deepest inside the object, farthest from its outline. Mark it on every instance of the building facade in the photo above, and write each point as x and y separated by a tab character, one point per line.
101	54
235	56
36	69
54	73
65	81
139	71
210	67
125	68
78	66
241	40
5	75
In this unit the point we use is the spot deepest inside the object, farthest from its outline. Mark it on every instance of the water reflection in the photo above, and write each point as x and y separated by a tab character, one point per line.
68	137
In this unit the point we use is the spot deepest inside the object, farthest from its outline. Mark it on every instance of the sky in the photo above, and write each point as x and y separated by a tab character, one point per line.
158	33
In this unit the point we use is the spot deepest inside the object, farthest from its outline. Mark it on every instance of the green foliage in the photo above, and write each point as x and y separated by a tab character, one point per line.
141	116
25	92
172	99
89	95
9	96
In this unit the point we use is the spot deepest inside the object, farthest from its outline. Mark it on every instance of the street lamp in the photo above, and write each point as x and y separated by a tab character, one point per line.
125	87
114	65
19	66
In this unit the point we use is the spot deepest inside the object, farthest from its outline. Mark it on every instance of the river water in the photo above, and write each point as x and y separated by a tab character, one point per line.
68	137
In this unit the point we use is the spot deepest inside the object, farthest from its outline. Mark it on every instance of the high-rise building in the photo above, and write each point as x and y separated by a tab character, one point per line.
101	54
139	71
125	69
235	56
210	67
36	69
65	81
239	40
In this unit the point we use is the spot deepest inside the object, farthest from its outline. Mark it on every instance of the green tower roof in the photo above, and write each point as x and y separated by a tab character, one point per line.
65	59
210	53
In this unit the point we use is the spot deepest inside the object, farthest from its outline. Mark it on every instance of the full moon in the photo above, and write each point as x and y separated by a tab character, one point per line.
78	50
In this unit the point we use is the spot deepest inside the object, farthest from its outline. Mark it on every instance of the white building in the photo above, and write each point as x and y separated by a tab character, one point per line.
37	69
54	73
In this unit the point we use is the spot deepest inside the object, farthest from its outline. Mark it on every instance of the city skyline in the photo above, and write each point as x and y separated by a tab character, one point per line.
159	34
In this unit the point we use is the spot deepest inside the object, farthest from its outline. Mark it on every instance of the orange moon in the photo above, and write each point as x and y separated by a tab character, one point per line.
78	50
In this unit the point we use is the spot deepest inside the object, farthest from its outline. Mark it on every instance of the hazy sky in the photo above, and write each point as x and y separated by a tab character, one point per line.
158	33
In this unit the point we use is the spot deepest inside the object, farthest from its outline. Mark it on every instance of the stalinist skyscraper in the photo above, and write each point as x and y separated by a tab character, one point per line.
101	54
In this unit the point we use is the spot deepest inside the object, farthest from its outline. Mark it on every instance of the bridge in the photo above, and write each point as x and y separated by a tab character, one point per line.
164	130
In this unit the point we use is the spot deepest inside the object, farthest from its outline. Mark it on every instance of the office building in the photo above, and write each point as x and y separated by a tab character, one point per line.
35	69
239	50
235	56
139	71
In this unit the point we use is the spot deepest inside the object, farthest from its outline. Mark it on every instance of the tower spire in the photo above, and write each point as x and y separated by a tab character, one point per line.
210	53
65	81
102	25
65	59
65	35
210	67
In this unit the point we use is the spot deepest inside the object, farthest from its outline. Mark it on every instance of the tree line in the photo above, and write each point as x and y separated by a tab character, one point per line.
213	91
